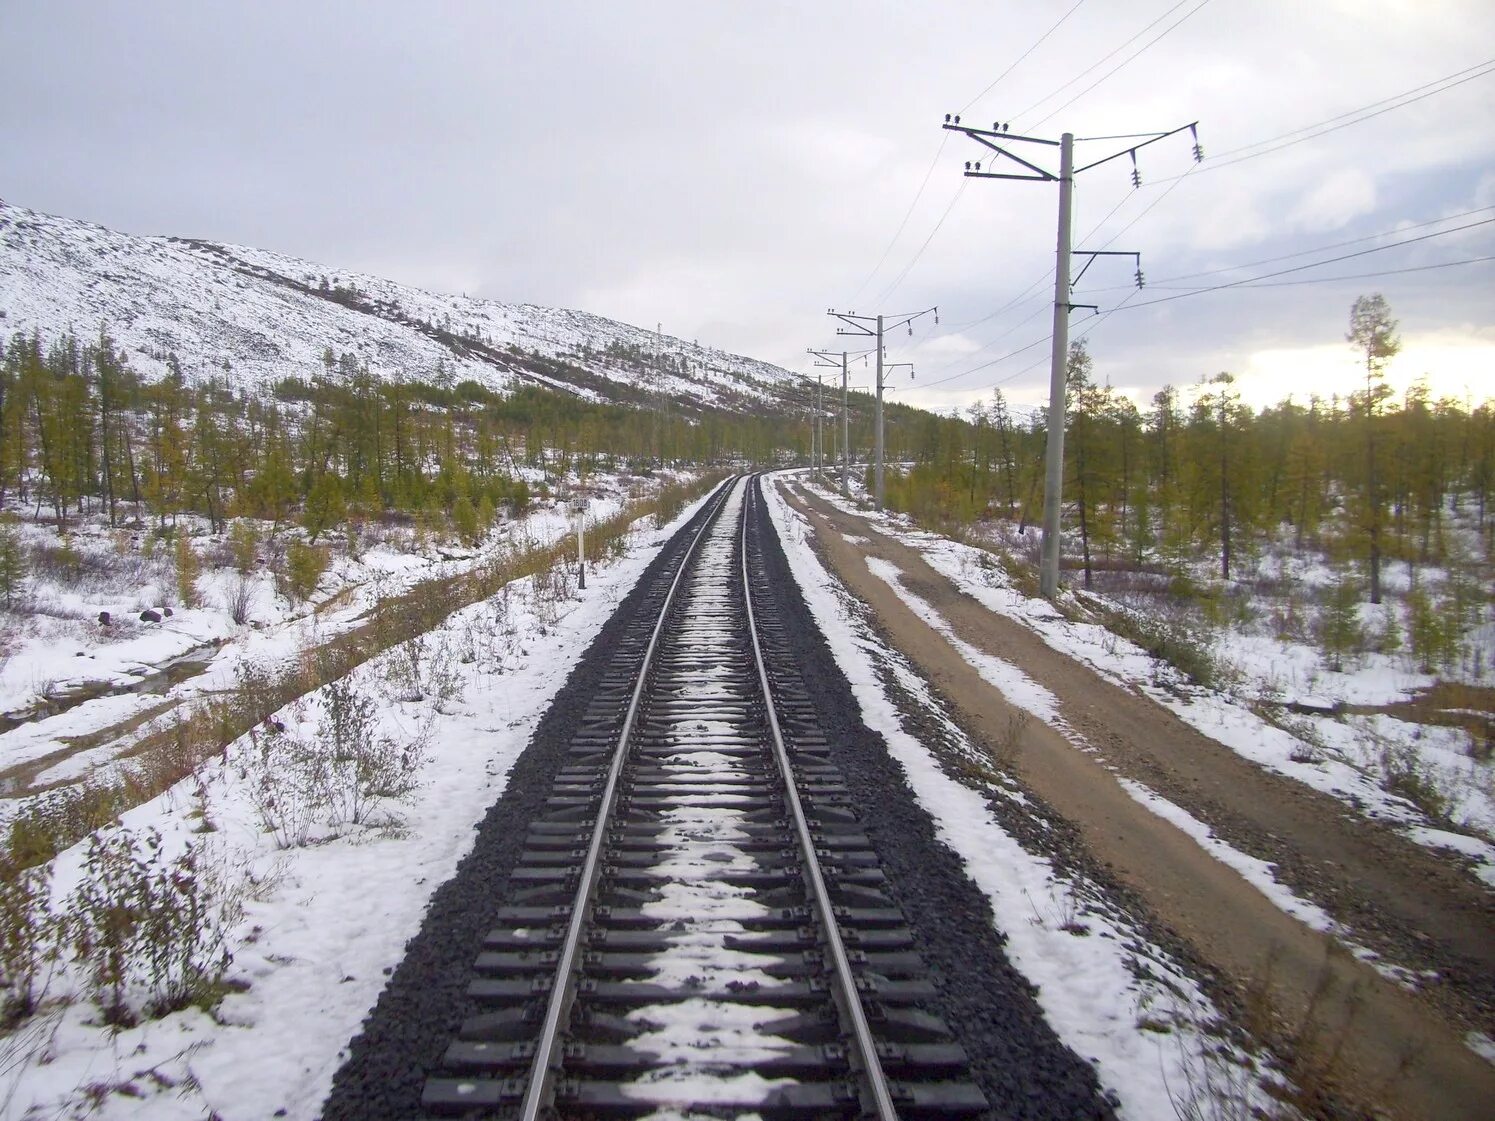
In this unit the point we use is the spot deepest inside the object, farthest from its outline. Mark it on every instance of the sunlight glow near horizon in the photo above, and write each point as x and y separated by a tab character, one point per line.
1454	365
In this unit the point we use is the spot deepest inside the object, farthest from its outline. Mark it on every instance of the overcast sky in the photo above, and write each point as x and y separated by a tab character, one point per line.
731	170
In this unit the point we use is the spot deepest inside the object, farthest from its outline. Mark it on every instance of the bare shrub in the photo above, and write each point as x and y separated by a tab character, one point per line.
423	666
178	751
239	599
1167	639
149	931
366	767
280	769
336	778
28	937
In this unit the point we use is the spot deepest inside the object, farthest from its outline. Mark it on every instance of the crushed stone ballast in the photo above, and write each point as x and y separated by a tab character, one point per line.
703	977
697	919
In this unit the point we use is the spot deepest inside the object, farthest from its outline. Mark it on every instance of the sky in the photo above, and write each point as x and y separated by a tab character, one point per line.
731	170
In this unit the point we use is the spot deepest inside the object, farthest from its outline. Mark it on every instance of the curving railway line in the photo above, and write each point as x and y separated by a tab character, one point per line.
683	905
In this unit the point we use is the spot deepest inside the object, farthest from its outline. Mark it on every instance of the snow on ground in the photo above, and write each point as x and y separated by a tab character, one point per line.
60	652
323	924
1023	692
264	315
1142	1032
1345	757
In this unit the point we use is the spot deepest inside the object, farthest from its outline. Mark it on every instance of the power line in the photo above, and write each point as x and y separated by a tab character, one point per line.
1022	56
941	151
1385	101
987	365
920	252
1307	252
907	214
1318	264
944	139
1351	276
1359	116
1100	61
1126	62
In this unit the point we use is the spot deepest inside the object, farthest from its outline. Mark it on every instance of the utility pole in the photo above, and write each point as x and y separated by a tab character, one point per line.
579	505
820	429
827	358
1053	466
864	325
997	138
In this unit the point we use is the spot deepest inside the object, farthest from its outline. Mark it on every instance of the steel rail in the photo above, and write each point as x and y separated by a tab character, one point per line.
562	991
865	1044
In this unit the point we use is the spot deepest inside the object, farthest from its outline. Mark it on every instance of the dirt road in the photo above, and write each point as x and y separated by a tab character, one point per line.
1397	1051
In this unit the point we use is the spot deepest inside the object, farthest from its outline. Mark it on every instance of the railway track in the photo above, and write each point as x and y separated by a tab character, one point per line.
698	921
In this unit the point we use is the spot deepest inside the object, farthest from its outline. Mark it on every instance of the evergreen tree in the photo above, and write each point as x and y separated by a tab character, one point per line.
1373	332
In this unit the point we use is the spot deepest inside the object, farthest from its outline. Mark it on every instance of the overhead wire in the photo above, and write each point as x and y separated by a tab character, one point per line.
944	139
1038	43
1320	264
1125	62
908	268
1159	284
1331	279
1100	61
907	214
1357	116
1127	304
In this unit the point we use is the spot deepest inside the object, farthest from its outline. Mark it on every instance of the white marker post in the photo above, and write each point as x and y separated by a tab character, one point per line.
579	506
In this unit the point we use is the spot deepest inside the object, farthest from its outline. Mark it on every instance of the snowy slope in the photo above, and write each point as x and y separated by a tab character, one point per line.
269	316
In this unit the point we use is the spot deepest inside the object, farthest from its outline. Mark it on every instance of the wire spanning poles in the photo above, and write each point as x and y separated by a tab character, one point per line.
1000	140
875	327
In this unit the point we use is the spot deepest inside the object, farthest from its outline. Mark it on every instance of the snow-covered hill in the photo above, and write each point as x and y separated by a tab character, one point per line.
263	316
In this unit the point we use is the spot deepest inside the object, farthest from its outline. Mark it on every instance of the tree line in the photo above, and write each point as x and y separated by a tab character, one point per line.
81	433
1198	472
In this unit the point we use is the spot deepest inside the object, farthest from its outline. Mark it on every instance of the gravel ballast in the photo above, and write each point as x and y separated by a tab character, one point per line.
1022	1066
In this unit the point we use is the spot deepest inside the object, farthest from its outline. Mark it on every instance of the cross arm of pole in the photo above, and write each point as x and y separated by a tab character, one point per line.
1153	138
983	137
1092	254
858	324
978	133
903	319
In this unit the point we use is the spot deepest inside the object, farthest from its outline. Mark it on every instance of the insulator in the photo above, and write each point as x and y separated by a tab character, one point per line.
957	118
1198	154
978	165
1136	178
1006	127
1140	281
947	118
968	165
910	330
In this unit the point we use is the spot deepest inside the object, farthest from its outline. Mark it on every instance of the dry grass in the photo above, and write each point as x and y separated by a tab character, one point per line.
166	756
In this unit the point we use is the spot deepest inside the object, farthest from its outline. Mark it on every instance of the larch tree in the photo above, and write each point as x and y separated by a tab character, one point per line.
1373	332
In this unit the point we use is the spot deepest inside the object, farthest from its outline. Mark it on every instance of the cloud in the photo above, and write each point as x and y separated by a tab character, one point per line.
1336	202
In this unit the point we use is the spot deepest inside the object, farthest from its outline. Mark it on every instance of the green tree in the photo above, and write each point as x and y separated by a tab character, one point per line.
1373	332
325	506
12	562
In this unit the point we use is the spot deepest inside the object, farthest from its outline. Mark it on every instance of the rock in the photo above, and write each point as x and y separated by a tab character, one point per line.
149	616
166	611
104	618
